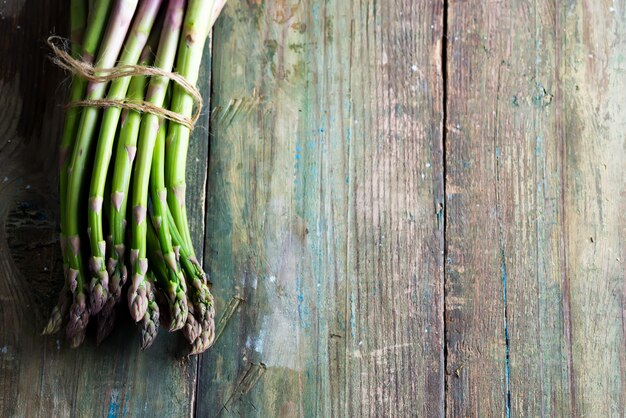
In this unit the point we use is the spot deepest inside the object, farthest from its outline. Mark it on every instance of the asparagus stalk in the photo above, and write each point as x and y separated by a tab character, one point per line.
86	48
158	271
148	133
78	20
119	22
99	286
125	154
198	21
176	282
189	263
202	309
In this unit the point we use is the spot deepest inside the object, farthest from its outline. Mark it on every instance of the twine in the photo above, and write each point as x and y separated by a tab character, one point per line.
102	75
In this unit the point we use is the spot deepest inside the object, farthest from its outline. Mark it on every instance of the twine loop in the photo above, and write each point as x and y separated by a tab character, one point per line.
93	74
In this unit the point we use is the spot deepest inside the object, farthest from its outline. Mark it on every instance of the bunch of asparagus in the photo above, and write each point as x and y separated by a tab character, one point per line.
137	159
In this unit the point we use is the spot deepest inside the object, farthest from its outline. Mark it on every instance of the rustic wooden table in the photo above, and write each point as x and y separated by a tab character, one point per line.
396	222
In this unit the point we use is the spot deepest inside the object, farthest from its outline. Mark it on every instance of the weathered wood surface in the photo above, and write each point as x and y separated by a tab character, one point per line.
337	206
536	196
325	183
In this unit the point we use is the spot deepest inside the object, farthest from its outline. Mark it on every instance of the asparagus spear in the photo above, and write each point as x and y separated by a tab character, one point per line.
157	275
176	282
198	21
119	22
78	20
148	133
202	308
59	312
86	48
125	153
146	15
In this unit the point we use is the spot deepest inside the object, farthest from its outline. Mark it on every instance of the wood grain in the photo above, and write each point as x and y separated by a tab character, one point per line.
341	215
535	183
323	214
42	376
592	122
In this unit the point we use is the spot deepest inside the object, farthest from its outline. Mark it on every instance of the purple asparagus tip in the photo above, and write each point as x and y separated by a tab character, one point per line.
192	328
137	299
77	340
204	341
106	320
150	325
179	311
98	294
79	316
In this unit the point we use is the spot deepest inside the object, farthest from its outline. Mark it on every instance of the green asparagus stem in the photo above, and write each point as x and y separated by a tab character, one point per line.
189	263
118	24
195	31
198	21
148	133
85	47
158	192
135	42
202	308
78	20
125	154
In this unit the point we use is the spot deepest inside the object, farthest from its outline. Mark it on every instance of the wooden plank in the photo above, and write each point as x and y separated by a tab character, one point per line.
504	342
41	376
592	120
532	305
324	210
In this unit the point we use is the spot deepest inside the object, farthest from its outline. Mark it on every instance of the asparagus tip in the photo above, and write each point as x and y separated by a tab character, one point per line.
54	323
179	311
150	325
77	340
204	341
79	316
137	299
106	320
192	328
98	294
118	278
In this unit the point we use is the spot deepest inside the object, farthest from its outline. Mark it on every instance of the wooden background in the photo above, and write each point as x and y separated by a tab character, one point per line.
411	208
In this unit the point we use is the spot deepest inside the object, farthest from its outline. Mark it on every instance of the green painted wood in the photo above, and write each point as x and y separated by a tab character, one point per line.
535	185
324	210
42	376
